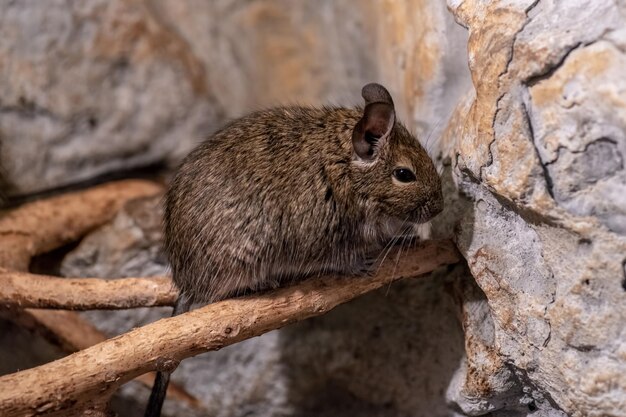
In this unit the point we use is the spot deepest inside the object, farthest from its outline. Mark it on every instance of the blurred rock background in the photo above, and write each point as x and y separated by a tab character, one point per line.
521	103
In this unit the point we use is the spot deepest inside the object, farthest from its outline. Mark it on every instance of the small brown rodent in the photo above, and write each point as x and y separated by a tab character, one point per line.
293	192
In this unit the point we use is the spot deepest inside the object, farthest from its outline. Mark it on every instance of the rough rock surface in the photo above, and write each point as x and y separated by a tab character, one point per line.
538	149
92	88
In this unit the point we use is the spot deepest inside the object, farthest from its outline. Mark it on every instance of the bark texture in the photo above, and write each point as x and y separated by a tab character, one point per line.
23	290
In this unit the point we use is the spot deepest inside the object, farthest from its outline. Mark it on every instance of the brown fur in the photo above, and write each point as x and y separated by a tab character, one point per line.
280	194
286	193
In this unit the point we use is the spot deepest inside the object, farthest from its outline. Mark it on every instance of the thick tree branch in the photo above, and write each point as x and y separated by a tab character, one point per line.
97	371
21	290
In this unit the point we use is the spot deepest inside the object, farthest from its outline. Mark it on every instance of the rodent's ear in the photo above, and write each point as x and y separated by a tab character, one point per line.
379	116
376	93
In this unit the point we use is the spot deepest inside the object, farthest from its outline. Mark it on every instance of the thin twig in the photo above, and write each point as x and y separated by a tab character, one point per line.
24	290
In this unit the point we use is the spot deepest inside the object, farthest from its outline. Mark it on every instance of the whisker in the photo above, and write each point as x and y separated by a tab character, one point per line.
392	242
386	250
395	266
402	247
427	144
393	273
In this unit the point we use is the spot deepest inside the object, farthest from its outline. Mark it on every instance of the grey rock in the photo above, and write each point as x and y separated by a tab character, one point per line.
114	86
538	151
91	88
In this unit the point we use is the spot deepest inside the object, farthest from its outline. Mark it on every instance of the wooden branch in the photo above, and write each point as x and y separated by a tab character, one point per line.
43	225
21	289
65	329
73	333
97	371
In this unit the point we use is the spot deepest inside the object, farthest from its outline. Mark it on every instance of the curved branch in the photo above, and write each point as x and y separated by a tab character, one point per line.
43	225
99	370
24	290
73	333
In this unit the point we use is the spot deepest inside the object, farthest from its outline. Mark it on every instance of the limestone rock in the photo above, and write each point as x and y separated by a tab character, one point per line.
129	246
95	88
271	52
539	149
92	88
113	86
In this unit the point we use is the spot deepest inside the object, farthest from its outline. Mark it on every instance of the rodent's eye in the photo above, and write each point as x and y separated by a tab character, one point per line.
404	174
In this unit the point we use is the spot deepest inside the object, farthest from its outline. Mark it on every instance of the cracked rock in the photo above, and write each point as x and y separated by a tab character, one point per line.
539	153
579	118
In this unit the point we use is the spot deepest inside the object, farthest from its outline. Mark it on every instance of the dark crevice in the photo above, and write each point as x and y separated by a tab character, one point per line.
544	166
92	121
154	172
596	176
27	109
585	149
512	53
624	274
541	396
531	7
493	140
528	215
583	348
530	82
469	175
533	80
49	263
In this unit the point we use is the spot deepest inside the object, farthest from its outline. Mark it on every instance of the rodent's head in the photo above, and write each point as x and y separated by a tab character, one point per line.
394	174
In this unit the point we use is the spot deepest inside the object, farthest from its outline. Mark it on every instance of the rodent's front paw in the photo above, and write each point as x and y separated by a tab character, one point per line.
365	268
